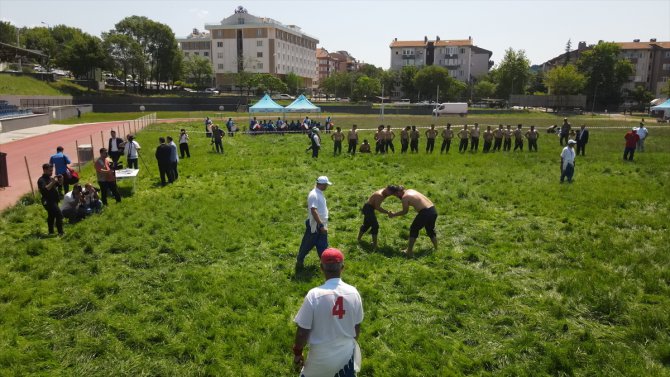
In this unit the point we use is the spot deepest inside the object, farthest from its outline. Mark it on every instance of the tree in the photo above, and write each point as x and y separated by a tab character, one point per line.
339	83
366	87
564	80
7	33
82	54
124	53
370	70
536	83
484	89
567	52
430	78
158	46
640	95
293	83
407	74
266	82
513	73
198	70
605	73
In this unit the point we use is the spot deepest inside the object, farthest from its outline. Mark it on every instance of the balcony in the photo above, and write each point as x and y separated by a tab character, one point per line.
408	56
451	56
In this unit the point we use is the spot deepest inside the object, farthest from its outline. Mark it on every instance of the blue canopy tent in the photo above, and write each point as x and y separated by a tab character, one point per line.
662	109
302	105
266	105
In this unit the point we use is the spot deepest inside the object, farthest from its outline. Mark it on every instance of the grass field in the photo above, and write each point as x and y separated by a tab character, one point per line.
532	278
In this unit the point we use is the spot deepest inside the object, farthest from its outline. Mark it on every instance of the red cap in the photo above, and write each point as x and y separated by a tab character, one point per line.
332	255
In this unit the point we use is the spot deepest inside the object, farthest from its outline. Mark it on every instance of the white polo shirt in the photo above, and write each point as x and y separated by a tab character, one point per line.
568	156
642	132
317	200
331	311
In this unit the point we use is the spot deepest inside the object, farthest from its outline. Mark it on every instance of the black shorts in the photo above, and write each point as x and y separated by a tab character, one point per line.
424	219
369	220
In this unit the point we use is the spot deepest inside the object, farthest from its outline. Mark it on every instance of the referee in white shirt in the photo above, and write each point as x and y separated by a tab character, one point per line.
316	225
329	319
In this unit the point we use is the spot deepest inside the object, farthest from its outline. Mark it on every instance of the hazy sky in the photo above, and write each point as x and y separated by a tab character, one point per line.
365	28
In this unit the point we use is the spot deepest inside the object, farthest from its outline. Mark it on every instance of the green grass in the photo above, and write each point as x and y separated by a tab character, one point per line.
24	85
532	278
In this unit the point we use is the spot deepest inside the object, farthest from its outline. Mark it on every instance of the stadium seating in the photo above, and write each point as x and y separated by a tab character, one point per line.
10	111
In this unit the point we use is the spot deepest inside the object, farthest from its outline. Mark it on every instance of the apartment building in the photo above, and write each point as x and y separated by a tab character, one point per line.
651	62
196	44
244	42
462	58
331	62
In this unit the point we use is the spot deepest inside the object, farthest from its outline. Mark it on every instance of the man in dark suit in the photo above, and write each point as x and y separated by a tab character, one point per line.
163	156
115	148
582	139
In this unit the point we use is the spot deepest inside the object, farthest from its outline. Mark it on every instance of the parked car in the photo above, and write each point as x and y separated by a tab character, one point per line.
189	90
459	108
114	83
211	91
282	96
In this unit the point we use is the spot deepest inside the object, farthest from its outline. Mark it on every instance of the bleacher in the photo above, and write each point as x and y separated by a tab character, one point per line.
11	111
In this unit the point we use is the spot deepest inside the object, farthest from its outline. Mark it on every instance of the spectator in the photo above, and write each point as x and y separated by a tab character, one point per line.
163	157
632	139
414	140
488	138
380	140
518	138
92	202
217	138
337	137
106	177
174	158
316	225
464	135
447	135
582	140
115	148
208	127
507	142
498	138
60	162
532	137
564	131
431	135
642	132
48	187
316	142
132	150
404	139
73	205
474	138
389	135
229	125
183	144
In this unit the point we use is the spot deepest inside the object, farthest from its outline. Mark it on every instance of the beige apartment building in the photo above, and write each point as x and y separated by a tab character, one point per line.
651	62
464	61
243	42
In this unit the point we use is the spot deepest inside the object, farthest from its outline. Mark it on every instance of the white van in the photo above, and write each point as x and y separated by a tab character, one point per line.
460	108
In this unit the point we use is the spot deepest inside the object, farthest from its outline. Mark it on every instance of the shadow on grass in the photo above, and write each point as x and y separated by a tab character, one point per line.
307	273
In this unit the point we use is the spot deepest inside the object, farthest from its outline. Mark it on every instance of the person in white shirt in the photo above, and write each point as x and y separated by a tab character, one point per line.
174	158
330	321
568	161
71	207
316	225
642	132
183	144
131	150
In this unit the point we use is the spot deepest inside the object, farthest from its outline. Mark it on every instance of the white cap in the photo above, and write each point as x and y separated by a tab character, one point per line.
572	141
323	180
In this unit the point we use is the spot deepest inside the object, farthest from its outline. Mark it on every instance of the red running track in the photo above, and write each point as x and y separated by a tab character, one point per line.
38	149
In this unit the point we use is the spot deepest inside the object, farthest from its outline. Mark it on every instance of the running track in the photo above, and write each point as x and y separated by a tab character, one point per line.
38	149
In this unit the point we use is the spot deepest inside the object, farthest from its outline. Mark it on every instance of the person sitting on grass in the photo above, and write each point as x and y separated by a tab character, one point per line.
72	206
365	147
92	202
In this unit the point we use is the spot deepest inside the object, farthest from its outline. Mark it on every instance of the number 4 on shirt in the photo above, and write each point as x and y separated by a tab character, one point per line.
338	308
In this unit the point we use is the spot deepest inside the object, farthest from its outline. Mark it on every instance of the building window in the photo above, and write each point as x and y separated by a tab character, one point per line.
259	54
259	65
462	51
196	53
259	32
240	21
666	67
219	44
220	66
259	43
206	53
667	54
219	55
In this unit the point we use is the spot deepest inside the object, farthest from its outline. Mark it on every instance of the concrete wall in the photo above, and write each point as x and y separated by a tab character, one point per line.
36	101
27	121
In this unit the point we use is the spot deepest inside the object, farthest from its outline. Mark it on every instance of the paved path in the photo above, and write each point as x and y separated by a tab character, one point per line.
37	144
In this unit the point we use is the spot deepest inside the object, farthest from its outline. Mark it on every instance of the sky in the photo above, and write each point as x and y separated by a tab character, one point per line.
365	28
